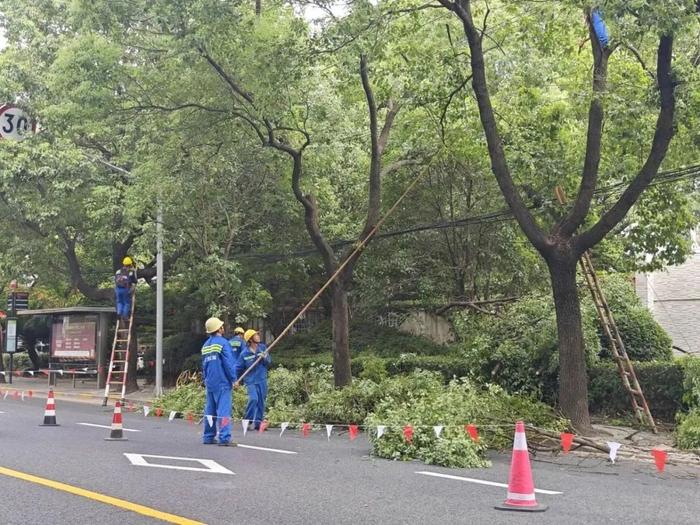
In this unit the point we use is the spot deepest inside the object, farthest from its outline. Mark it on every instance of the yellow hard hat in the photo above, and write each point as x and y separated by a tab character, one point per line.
248	334
238	330
213	324
127	261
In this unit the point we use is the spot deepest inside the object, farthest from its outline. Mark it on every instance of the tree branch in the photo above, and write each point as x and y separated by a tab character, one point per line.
662	138
596	113
499	164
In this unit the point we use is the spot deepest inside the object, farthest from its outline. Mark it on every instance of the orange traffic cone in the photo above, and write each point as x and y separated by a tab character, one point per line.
521	489
117	433
50	412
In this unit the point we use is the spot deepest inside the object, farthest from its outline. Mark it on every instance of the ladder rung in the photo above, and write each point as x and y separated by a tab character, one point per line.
122	340
115	382
118	361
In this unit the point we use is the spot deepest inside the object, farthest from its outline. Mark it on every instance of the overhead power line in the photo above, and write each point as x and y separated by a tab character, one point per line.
667	177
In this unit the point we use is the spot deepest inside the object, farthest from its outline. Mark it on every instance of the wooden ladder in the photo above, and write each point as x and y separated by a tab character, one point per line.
119	361
617	347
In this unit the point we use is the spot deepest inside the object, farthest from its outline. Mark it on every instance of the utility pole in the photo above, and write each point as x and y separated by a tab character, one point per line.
159	301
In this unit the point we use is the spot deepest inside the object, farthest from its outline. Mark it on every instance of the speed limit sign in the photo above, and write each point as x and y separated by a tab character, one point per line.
15	123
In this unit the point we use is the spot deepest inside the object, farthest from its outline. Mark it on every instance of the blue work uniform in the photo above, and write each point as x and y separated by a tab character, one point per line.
123	289
255	382
237	344
218	370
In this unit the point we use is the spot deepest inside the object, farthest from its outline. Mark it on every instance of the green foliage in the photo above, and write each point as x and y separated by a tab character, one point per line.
688	431
518	349
461	402
643	336
662	384
365	337
691	382
373	368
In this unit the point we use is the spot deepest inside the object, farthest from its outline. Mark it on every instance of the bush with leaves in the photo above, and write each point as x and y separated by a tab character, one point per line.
644	338
459	403
688	431
518	349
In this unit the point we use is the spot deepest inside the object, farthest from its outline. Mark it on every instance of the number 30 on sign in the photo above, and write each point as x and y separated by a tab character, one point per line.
15	124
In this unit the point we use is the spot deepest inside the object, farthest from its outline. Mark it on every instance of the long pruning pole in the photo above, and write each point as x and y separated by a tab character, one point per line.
333	277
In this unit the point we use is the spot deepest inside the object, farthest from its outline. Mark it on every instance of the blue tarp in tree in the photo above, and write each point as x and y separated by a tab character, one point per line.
601	32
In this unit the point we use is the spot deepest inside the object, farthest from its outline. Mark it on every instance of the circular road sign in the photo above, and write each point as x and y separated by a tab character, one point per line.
15	123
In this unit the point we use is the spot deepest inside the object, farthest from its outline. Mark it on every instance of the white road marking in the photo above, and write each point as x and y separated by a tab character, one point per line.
278	450
1	412
480	481
106	426
211	466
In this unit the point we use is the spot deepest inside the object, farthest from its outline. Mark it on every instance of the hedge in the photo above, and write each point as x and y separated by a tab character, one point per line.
661	381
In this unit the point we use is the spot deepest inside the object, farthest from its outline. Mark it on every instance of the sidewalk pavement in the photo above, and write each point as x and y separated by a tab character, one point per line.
85	390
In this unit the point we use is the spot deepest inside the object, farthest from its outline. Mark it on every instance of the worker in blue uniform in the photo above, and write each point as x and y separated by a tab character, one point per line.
256	380
124	286
219	372
237	342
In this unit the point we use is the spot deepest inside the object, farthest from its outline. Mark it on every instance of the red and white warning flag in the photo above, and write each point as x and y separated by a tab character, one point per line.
172	415
438	430
472	431
225	421
614	447
4	396
283	426
566	439
146	410
210	420
353	430
22	395
408	433
660	457
329	429
306	429
245	424
381	429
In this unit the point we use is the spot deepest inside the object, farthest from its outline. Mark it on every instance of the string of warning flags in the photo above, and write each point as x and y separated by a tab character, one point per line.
408	431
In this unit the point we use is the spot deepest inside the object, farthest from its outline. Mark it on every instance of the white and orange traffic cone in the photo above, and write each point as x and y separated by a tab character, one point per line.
521	489
117	432
50	412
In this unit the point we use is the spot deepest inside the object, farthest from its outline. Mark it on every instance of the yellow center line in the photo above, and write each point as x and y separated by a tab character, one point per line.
109	500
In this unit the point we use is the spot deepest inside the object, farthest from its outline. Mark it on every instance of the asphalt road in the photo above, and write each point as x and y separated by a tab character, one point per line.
322	481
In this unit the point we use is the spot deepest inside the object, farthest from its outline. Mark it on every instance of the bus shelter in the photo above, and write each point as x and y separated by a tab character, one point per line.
79	340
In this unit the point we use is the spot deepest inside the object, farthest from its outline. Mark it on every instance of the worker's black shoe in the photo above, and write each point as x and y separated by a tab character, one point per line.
209	443
228	444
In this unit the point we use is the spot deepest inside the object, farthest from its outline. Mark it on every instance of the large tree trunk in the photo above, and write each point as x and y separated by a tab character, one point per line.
573	379
342	374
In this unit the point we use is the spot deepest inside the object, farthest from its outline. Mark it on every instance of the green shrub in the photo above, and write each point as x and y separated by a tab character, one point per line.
364	338
688	431
661	382
518	349
459	403
644	338
349	405
691	381
373	368
21	361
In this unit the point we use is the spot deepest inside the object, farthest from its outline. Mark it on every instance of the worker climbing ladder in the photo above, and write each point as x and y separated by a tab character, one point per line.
617	347
119	361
